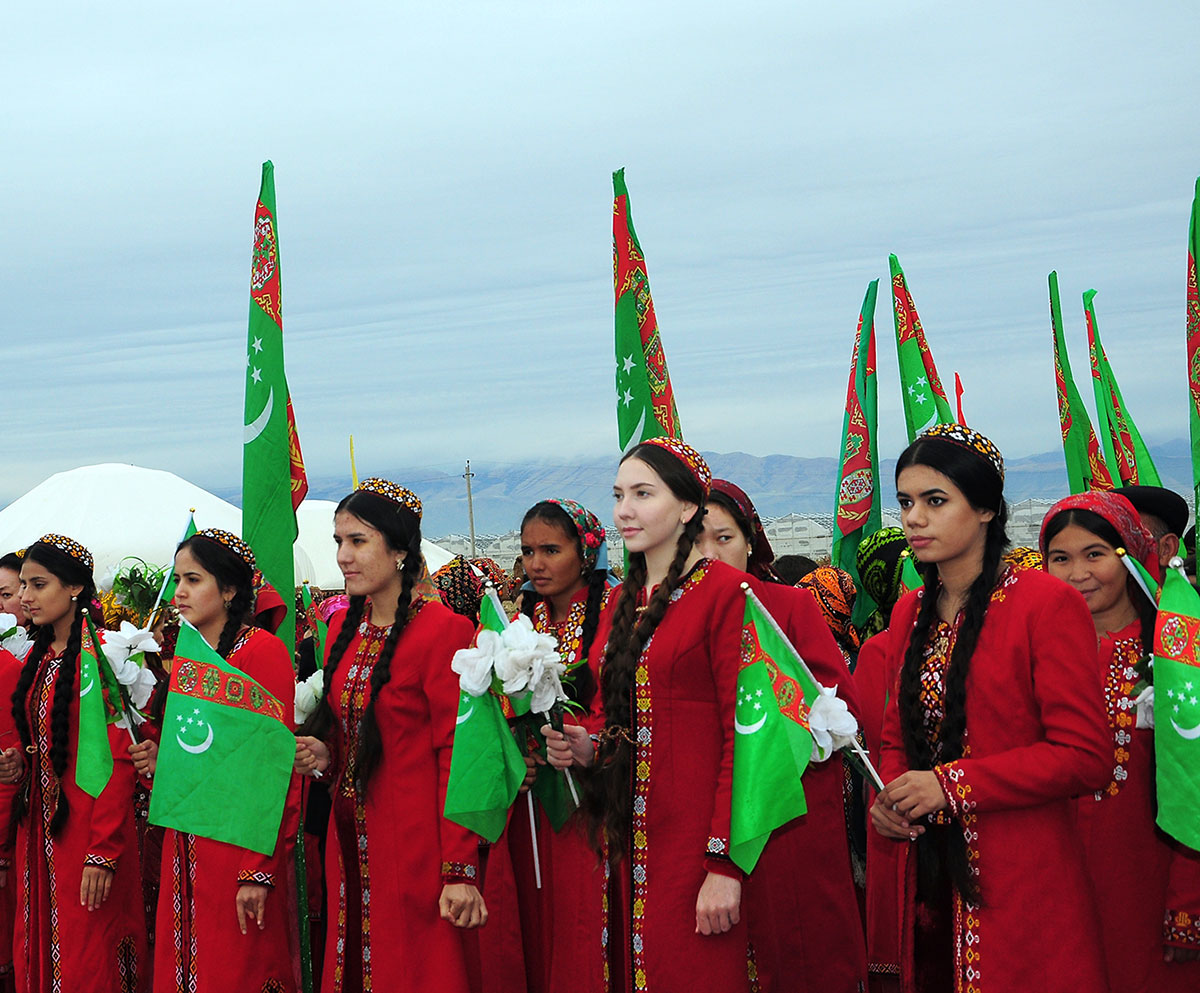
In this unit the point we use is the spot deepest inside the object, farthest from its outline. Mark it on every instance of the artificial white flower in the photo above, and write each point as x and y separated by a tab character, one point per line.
13	637
831	723
308	694
1145	708
132	640
548	690
474	665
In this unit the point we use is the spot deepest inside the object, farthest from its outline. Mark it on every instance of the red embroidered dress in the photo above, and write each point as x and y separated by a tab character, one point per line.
10	672
1036	736
1147	886
389	852
61	946
199	946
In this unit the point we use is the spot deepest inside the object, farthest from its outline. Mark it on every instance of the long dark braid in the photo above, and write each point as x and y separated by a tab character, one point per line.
322	720
60	710
239	612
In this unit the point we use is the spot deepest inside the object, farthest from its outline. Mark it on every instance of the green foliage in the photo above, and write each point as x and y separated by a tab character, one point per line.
137	585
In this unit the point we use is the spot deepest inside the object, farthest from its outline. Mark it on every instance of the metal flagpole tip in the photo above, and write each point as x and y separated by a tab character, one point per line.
1122	552
745	587
1175	563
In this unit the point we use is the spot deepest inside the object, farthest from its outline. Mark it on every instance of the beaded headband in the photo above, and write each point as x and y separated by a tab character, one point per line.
68	545
230	541
692	459
964	437
391	491
588	527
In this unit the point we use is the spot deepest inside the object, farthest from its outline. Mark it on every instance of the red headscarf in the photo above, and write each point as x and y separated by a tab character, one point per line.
1118	512
761	553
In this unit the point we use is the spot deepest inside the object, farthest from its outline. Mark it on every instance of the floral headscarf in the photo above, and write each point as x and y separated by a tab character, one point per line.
1118	512
835	592
880	562
761	553
460	587
590	531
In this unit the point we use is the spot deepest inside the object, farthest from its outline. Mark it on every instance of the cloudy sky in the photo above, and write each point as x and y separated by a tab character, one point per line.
443	181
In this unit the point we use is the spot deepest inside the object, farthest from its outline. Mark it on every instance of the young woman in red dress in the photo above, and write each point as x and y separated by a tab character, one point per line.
996	722
659	791
225	914
80	923
401	878
1147	885
10	669
814	930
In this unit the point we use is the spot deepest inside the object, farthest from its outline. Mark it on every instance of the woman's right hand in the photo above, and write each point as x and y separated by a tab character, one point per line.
12	765
312	756
889	822
145	757
570	746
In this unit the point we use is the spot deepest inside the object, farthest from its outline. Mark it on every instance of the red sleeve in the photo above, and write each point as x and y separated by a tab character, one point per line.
1181	925
871	683
110	833
10	673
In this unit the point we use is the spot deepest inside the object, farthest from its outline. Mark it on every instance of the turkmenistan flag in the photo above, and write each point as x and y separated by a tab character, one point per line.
910	575
99	706
486	766
1193	339
1123	445
857	508
318	627
1177	709
772	744
273	479
925	402
167	593
645	400
1085	465
226	755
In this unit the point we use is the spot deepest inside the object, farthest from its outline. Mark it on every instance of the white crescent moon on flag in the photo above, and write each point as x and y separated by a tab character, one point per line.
197	749
85	690
932	417
1190	734
256	427
636	437
462	718
749	728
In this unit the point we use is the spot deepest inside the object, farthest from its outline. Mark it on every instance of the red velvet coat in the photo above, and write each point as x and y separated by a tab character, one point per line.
10	672
800	901
1144	881
389	854
199	946
1036	736
59	945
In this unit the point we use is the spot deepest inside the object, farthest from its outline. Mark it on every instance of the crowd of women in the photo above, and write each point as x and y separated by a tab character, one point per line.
1013	846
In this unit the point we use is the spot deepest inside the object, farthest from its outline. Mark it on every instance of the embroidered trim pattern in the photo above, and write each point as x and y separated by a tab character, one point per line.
717	846
101	861
1181	928
45	802
967	919
459	870
568	634
256	877
1121	704
958	791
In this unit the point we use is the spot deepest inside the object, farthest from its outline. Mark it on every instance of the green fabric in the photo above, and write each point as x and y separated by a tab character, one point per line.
925	402
772	745
99	698
1193	341
910	575
268	514
856	510
1123	447
1085	468
320	628
226	755
168	590
1177	709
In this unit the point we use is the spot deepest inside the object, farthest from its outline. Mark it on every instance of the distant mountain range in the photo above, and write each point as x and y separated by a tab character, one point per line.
778	484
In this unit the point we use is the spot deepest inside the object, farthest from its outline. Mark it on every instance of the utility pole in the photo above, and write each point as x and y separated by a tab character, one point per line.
468	475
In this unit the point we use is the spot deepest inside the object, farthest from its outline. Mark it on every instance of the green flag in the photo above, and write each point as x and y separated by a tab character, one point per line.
226	755
1123	447
99	706
925	402
1193	340
318	627
167	593
856	511
772	742
1085	465
910	575
1177	709
273	479
645	399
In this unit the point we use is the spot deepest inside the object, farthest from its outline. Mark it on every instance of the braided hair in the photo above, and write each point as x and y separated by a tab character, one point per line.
607	799
232	572
401	529
70	572
942	849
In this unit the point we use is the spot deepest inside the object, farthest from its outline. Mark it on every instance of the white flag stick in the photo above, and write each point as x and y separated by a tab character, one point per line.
537	868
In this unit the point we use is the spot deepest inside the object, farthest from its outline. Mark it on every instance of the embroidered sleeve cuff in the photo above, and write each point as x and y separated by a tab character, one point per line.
255	877
102	862
1182	929
718	847
459	872
954	784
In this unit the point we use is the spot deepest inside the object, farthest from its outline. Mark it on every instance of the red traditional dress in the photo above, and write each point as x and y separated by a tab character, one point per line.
200	948
808	936
388	854
10	672
1147	886
1036	736
60	946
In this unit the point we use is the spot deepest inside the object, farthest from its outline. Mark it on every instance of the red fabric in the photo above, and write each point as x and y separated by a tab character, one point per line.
391	925
60	945
1036	736
1120	513
815	929
199	946
10	672
1139	874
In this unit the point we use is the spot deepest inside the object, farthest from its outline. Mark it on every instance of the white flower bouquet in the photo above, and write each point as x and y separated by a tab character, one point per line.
125	651
13	636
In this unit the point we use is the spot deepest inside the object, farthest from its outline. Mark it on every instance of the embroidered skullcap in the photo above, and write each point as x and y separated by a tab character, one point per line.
761	553
834	591
1022	558
68	545
460	587
880	564
398	494
230	541
693	461
1117	511
588	527
965	437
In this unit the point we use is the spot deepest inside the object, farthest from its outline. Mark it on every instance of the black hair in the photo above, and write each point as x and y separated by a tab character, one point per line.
11	560
401	529
232	572
793	568
607	799
944	850
70	572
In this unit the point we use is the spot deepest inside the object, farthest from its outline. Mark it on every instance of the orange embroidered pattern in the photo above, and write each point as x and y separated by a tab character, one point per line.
1120	700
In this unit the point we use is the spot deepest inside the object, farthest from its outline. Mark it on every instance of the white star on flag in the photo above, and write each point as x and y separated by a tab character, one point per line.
256	344
629	363
628	398
256	375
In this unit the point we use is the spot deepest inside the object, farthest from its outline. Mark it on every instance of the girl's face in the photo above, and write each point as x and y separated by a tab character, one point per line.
646	512
10	594
723	539
1091	565
938	520
45	597
369	564
199	598
551	558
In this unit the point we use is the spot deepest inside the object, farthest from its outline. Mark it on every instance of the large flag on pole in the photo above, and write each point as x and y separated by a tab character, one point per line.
1193	339
925	401
645	400
273	478
1123	447
1085	465
857	507
226	755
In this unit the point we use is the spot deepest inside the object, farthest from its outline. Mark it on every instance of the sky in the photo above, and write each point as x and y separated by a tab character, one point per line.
443	179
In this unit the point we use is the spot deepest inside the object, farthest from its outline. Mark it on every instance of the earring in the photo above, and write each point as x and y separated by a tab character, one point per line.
399	565
228	604
74	598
